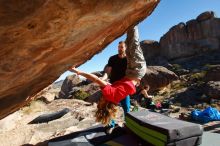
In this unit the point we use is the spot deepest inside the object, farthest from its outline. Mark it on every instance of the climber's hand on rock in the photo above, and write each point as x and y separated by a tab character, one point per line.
75	70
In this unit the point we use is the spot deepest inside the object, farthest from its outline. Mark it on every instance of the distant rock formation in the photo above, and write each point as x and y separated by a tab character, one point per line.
40	39
186	39
151	49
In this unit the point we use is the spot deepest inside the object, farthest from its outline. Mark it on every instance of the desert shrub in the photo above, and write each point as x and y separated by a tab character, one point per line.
198	76
214	105
178	104
200	83
34	106
209	66
165	93
176	67
80	94
178	85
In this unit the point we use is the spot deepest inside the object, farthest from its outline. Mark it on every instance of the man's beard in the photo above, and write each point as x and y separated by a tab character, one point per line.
120	52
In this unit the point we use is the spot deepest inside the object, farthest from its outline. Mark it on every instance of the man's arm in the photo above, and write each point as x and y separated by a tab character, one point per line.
107	72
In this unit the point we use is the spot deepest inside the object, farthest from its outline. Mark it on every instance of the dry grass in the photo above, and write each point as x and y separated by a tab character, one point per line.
198	76
34	106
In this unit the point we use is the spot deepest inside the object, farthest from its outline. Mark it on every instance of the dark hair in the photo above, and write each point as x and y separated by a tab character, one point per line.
121	42
106	111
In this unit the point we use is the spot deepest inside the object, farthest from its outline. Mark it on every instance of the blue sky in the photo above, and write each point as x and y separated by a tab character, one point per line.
166	14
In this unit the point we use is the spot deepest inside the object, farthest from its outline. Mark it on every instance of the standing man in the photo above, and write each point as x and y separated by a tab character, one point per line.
115	70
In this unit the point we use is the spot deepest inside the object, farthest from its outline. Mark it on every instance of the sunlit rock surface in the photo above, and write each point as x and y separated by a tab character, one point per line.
40	39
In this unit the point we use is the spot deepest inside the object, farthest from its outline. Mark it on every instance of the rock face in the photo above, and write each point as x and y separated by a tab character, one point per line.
196	36
151	49
187	39
40	39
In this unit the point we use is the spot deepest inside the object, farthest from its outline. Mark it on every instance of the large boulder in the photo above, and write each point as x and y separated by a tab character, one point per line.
212	89
213	74
158	77
40	39
68	86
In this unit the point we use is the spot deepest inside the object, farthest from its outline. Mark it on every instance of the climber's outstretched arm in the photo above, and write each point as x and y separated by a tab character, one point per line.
89	76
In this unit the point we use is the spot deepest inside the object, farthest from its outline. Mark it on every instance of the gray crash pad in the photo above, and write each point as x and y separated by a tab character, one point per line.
210	139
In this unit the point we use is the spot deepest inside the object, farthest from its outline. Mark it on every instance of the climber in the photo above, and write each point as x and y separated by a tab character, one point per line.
115	92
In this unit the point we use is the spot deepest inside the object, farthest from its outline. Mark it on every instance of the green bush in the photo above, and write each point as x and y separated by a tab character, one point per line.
209	66
198	76
176	67
178	86
80	94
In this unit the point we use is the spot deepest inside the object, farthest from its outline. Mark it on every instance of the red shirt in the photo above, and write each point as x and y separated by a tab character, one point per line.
118	90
